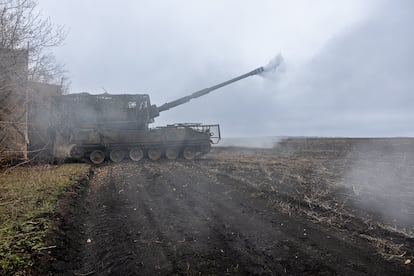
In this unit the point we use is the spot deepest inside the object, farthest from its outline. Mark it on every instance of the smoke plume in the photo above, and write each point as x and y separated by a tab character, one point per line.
380	174
275	65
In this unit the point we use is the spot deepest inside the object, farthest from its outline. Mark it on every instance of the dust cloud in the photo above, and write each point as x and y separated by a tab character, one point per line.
250	142
379	174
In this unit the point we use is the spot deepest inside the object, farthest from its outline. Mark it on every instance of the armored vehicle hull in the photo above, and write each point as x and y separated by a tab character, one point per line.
174	141
115	127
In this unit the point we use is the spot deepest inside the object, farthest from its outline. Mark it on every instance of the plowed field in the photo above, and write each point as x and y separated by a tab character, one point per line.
306	206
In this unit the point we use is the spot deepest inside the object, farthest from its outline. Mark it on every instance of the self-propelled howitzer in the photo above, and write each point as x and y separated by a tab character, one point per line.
114	126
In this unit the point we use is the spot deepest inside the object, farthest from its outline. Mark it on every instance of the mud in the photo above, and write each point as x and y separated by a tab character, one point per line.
291	210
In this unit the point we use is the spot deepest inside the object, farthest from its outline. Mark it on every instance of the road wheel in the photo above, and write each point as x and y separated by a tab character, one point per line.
97	156
205	149
172	153
116	155
77	152
136	154
189	153
154	154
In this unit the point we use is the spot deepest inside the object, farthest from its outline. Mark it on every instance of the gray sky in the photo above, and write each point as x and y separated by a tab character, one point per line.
349	64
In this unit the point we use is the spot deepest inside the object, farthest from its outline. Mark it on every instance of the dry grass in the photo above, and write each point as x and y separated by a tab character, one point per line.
28	201
388	249
315	188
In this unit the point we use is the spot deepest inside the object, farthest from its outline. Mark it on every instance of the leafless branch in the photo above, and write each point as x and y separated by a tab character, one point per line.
23	27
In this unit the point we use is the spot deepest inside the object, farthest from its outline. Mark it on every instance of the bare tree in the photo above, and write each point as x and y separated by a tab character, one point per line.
26	59
22	26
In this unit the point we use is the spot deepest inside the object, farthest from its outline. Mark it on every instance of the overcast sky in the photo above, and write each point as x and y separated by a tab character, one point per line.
349	65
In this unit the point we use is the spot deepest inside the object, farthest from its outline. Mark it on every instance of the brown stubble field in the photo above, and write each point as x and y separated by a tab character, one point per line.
305	206
360	185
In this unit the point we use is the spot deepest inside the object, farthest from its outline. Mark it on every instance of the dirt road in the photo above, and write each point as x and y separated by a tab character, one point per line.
213	216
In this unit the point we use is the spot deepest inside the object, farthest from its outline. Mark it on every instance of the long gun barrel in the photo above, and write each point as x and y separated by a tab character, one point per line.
204	91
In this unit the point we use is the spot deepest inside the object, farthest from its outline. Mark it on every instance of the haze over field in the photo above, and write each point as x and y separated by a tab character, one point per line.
348	64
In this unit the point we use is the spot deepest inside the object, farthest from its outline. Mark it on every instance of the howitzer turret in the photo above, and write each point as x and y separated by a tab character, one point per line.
116	125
